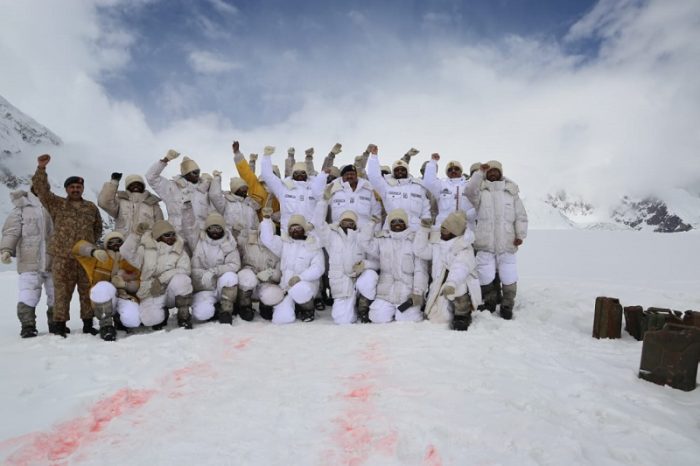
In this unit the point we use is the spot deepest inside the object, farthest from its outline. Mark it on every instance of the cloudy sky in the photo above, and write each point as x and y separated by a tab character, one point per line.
598	97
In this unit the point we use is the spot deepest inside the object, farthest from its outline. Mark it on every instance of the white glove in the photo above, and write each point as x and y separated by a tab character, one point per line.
6	257
294	280
264	275
206	177
215	173
309	152
290	152
100	254
448	290
412	151
118	282
426	222
253	157
269	150
172	155
267	212
337	148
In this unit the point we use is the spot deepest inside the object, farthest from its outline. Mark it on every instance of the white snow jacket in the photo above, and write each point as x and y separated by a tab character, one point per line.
501	216
212	258
239	213
303	258
401	272
156	260
408	194
453	264
362	200
256	257
129	209
344	251
295	197
450	193
26	232
178	190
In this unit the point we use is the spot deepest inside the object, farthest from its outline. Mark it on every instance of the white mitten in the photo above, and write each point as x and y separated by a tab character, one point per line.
269	150
172	155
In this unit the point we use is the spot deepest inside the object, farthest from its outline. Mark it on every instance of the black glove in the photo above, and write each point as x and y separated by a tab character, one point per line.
405	305
116	176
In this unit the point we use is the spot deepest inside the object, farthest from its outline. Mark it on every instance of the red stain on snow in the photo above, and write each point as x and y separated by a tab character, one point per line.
64	439
432	457
361	393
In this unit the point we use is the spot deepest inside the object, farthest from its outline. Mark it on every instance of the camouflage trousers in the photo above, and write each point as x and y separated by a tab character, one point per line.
67	273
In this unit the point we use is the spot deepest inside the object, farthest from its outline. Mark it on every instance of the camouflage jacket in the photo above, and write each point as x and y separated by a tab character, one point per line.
72	220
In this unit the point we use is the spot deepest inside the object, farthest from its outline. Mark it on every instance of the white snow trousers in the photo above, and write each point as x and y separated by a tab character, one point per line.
267	293
381	312
344	311
203	301
30	284
488	262
151	309
128	310
300	293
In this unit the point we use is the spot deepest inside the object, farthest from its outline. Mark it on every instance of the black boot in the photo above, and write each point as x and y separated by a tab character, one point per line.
509	292
217	311
60	329
318	304
462	312
489	297
184	318
49	319
164	322
228	298
88	328
265	311
118	325
28	331
245	305
307	312
108	333
363	309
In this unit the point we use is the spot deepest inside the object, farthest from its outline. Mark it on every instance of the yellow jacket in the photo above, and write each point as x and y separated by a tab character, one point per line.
256	189
98	271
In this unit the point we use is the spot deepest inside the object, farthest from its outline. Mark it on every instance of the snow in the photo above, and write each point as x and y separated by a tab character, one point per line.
535	390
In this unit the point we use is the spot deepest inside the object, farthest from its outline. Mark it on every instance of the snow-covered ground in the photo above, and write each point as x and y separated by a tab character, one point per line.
535	390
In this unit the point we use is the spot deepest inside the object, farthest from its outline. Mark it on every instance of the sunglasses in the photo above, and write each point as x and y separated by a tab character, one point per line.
170	234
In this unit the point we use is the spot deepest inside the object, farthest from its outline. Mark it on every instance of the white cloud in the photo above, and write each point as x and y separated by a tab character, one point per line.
208	63
622	121
224	7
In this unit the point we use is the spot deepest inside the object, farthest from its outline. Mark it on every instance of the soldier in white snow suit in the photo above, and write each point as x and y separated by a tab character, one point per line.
403	276
450	192
258	278
298	194
352	193
114	284
215	263
189	186
25	235
501	227
351	274
454	292
239	211
131	207
165	273
400	191
302	265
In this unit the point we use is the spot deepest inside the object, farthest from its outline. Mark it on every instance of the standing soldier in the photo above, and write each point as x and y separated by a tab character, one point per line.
239	211
131	207
189	186
352	193
74	219
501	227
450	192
24	236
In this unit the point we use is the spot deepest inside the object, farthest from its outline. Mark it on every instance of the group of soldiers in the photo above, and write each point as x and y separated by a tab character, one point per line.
373	242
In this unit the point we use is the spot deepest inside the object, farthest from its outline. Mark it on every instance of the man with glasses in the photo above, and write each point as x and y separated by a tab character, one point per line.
403	276
114	284
190	186
215	263
130	207
165	273
450	192
74	218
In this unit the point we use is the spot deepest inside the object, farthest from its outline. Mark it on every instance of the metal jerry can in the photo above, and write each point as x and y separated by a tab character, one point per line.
607	322
670	356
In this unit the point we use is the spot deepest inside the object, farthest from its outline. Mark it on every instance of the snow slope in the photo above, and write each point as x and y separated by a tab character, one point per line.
535	390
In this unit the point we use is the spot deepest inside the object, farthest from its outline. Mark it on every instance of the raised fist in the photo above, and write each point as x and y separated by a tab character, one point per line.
267	212
337	148
290	152
43	160
215	173
171	155
236	147
435	156
373	149
253	157
116	176
412	151
309	152
269	150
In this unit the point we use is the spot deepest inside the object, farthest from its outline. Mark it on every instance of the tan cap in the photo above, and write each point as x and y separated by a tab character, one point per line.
187	165
397	214
455	223
160	228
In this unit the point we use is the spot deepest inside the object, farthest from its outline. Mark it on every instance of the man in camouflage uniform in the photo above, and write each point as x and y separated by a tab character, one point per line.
74	219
